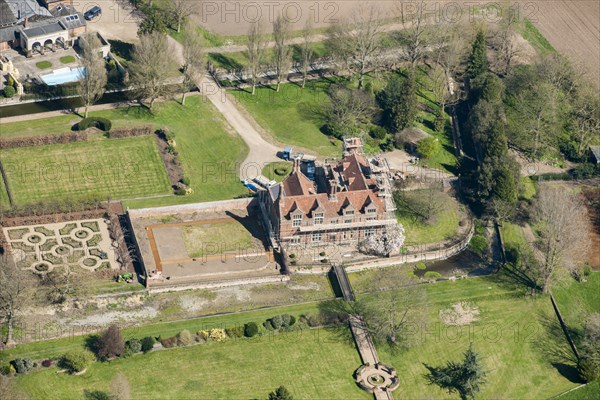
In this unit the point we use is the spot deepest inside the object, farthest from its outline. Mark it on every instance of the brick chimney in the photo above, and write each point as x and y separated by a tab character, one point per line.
25	23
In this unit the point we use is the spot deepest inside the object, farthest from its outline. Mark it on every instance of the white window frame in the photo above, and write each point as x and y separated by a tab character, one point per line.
296	220
317	237
369	232
319	218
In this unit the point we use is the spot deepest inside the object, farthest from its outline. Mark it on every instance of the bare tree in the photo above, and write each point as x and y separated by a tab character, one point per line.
283	52
357	41
93	77
256	45
417	35
560	215
193	60
586	117
306	50
152	61
182	9
14	294
504	39
120	387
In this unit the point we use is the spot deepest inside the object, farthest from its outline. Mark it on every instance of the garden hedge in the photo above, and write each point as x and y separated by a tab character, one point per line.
97	122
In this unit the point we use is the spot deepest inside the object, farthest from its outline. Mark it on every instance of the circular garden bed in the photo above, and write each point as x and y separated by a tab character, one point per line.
42	267
34	239
61	250
81	234
90	262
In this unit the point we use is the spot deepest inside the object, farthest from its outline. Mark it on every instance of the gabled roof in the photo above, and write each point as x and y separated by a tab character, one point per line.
297	184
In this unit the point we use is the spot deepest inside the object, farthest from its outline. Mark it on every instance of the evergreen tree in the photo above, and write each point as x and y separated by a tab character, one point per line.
281	393
478	63
399	99
464	378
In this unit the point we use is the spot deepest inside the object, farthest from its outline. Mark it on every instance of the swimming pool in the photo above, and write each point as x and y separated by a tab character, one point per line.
62	75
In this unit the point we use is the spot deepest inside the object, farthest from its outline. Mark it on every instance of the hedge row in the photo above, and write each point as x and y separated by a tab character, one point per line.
130	132
97	122
61	138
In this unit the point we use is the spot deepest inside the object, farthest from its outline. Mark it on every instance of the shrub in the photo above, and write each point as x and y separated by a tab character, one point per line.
27	141
22	365
285	320
276	322
184	338
432	275
250	329
292	320
47	363
377	132
97	122
111	343
9	91
292	256
77	360
148	343
268	325
421	265
169	342
130	132
428	146
312	320
235	332
132	346
478	244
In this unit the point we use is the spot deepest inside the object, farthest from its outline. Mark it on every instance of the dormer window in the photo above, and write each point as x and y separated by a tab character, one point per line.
371	210
296	220
349	212
318	218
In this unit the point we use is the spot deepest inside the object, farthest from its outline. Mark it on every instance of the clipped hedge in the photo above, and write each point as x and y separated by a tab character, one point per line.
29	141
130	132
148	343
97	122
251	329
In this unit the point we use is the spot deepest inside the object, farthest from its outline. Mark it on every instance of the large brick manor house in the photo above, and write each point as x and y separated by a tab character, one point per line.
348	201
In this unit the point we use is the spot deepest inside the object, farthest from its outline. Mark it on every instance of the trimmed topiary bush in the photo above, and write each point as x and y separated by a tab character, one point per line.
148	343
276	322
251	329
9	91
76	360
97	122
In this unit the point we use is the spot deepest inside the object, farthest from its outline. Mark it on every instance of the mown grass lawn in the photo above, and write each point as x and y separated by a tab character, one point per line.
293	116
208	149
116	168
4	203
444	226
209	239
313	365
577	300
511	336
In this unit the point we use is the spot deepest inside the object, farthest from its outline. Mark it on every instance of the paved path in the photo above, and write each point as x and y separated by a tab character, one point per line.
260	152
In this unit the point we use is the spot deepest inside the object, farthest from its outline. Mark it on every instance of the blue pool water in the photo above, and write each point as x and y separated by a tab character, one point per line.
63	75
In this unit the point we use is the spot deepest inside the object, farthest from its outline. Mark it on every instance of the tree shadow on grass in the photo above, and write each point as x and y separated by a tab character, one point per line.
555	347
92	343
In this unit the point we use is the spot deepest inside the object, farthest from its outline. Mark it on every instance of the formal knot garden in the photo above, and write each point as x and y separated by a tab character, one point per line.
42	248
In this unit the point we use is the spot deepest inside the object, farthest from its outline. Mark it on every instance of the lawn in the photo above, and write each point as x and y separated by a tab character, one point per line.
536	39
116	168
43	64
527	188
310	366
4	203
279	166
511	336
577	300
67	59
513	236
444	227
210	239
208	149
293	116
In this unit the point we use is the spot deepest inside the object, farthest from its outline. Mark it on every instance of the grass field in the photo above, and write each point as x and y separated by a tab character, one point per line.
444	227
232	370
293	115
527	188
512	337
208	150
209	239
577	300
119	168
4	203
